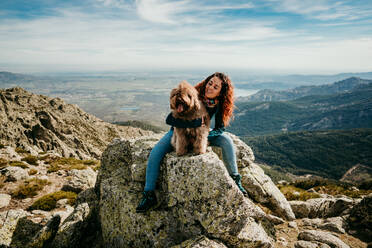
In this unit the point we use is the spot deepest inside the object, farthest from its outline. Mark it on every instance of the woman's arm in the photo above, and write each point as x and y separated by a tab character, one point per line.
183	123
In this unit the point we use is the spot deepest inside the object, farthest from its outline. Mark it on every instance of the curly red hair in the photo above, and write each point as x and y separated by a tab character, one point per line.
226	97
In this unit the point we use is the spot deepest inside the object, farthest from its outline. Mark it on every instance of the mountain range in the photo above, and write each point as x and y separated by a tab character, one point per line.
343	105
342	86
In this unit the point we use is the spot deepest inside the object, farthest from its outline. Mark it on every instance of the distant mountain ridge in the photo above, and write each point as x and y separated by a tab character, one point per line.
291	94
352	109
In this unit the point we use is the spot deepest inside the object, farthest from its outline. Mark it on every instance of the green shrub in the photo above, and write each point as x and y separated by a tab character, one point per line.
30	188
308	184
302	195
31	160
90	162
53	168
18	164
48	202
2	146
21	150
366	185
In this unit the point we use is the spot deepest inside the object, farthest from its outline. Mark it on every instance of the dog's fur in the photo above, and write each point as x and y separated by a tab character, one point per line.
185	105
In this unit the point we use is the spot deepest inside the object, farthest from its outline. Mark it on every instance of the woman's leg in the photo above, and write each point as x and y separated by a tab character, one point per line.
229	158
153	163
228	152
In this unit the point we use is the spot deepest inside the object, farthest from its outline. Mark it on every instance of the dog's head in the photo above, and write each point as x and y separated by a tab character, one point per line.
184	99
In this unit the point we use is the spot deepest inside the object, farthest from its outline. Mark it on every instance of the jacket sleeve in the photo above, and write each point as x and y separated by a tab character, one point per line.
219	127
216	132
174	122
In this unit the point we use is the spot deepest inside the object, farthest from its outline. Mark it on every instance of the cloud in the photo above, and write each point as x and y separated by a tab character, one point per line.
160	11
250	33
323	10
183	34
180	12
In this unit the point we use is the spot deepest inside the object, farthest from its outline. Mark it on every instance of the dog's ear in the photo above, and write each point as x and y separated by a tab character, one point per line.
173	92
196	101
197	104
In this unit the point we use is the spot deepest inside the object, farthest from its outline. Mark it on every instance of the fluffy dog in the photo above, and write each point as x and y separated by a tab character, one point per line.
185	105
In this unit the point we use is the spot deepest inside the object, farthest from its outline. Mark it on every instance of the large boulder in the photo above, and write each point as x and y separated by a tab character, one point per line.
322	237
34	235
334	224
80	180
81	228
196	195
14	173
9	220
322	207
260	187
360	219
200	242
4	200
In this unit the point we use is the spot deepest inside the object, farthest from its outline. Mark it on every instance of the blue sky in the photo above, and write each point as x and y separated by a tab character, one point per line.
272	36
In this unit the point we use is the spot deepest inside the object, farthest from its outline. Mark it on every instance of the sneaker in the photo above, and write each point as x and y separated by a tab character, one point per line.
147	202
237	179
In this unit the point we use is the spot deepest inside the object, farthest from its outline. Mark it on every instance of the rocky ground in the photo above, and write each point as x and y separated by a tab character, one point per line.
48	199
22	182
319	222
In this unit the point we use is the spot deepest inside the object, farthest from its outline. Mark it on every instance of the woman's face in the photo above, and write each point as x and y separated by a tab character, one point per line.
213	87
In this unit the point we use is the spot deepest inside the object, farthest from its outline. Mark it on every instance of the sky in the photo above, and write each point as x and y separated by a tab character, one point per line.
268	36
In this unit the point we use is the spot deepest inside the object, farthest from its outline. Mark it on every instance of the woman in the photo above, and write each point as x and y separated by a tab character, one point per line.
217	93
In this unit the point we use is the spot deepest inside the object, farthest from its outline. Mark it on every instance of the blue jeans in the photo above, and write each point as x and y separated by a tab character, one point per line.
164	146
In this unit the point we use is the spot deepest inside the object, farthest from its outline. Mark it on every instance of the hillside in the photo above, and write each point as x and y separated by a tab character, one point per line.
328	154
291	94
339	111
37	123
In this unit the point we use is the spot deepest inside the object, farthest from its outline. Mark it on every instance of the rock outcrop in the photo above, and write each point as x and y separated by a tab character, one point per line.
322	237
38	123
9	220
197	197
360	219
80	180
259	186
322	207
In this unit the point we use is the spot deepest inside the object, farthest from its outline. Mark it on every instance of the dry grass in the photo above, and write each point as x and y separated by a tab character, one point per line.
97	167
21	150
31	160
18	164
341	190
3	162
297	190
2	181
32	172
58	163
48	202
29	188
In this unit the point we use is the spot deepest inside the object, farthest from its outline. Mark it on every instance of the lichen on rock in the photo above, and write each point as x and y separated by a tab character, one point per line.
196	194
